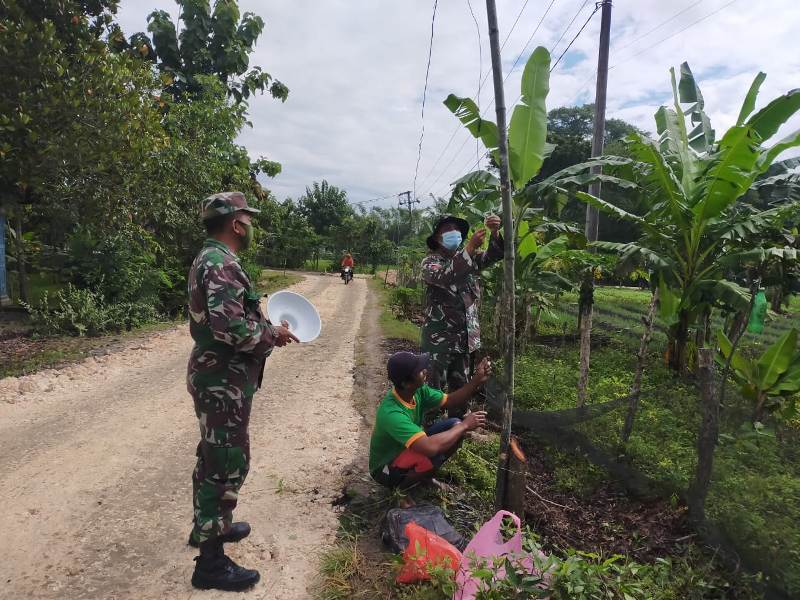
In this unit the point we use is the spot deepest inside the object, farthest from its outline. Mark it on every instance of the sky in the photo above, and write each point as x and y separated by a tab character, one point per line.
356	76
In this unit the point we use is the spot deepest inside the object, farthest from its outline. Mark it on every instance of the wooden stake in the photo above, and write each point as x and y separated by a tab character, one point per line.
707	439
516	482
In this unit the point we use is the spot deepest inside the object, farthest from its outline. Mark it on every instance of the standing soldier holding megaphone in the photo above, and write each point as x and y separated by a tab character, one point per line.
232	339
451	272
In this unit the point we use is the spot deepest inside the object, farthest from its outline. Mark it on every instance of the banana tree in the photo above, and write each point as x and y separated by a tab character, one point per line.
769	381
695	184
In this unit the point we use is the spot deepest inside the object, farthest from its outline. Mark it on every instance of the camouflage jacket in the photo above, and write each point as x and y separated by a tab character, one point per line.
452	297
231	336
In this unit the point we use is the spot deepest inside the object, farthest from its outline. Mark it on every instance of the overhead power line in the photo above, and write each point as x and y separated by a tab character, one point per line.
477	162
424	95
580	31
483	81
588	80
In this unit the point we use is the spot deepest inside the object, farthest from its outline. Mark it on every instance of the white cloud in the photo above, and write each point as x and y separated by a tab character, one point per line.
355	70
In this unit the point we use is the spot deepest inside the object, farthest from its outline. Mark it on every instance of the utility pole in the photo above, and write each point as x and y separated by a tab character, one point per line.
508	231
4	299
592	214
409	203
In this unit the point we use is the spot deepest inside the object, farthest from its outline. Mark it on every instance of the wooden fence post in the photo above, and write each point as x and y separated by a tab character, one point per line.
516	480
707	439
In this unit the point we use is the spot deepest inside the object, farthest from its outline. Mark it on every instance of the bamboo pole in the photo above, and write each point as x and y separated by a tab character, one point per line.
508	231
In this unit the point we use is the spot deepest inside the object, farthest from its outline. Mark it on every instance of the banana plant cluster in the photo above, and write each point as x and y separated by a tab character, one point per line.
770	381
477	194
697	230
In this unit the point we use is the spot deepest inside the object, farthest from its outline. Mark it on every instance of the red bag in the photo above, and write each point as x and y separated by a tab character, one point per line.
426	549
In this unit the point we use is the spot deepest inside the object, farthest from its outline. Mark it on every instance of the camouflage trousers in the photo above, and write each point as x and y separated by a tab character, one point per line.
223	461
449	372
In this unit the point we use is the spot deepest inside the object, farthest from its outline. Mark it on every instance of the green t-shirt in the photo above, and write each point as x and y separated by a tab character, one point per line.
399	424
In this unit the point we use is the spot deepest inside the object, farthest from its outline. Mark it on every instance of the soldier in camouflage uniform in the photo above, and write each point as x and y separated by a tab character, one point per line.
232	341
451	333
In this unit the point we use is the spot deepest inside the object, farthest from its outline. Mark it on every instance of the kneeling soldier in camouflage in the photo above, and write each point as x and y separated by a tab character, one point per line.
232	341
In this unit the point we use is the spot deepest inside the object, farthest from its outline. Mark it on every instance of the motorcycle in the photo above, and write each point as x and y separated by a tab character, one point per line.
347	274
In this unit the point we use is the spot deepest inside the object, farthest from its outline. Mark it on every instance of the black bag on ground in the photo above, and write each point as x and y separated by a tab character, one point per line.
393	532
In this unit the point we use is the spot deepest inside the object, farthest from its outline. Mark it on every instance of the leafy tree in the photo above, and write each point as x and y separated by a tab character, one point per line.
211	43
65	103
325	206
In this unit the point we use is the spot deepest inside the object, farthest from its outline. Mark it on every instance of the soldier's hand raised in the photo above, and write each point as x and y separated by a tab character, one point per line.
476	241
492	222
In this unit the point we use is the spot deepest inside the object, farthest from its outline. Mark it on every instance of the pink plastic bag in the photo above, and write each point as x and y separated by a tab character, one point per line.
487	545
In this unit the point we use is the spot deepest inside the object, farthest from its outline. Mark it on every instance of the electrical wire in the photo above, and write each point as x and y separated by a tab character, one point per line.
583	86
483	81
575	16
657	27
580	31
424	95
480	65
672	35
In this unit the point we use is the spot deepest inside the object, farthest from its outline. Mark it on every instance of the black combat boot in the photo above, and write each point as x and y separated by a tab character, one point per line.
238	531
214	570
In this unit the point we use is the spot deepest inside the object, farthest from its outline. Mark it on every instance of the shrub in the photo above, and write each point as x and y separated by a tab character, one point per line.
406	303
82	312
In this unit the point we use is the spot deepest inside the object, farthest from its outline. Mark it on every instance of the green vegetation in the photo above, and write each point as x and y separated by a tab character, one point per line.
391	325
272	281
755	487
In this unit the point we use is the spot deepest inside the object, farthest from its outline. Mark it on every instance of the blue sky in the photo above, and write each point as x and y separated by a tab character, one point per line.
356	68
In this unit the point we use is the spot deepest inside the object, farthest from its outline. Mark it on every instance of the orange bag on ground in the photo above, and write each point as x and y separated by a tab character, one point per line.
426	549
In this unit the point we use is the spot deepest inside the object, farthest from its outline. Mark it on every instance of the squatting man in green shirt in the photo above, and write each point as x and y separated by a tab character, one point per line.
401	452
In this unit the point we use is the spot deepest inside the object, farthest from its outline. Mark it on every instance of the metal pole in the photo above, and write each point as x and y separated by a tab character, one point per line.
508	231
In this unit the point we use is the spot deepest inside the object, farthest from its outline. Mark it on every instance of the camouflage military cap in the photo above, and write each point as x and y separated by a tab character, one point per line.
225	203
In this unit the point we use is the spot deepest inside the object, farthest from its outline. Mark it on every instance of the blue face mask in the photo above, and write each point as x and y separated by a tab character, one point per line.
451	240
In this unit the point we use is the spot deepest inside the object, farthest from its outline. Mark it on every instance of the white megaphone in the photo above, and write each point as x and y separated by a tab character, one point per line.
302	316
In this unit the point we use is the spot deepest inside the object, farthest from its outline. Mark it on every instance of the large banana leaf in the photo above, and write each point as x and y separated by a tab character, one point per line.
527	240
551	249
769	119
467	112
789	383
701	138
661	175
585	179
731	172
527	134
632	254
725	293
776	360
608	208
768	156
738	362
749	104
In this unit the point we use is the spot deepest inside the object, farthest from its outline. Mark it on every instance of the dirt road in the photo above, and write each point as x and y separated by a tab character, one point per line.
96	460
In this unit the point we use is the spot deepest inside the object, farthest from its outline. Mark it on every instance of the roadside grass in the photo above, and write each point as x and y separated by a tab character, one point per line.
272	281
391	326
